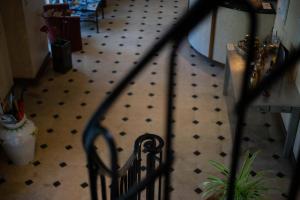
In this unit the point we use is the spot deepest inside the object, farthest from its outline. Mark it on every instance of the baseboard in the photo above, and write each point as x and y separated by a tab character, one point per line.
211	61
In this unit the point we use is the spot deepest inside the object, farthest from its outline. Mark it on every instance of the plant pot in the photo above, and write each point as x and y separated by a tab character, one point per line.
19	143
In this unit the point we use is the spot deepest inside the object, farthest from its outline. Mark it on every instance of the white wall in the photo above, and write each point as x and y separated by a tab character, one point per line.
6	80
27	46
37	40
289	33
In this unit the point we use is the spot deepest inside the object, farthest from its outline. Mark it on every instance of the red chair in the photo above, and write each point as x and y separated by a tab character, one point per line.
63	26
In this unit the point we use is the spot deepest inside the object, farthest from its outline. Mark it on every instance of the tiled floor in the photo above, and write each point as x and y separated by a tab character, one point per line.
60	105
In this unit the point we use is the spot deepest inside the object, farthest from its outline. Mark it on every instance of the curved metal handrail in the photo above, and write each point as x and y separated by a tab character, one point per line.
134	155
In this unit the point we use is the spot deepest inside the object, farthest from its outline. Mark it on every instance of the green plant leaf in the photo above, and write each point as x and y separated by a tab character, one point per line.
220	167
246	186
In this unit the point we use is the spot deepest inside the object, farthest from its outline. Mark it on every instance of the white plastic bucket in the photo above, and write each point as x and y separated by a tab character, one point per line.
19	143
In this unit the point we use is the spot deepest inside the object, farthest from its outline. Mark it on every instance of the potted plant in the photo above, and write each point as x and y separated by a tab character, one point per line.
247	187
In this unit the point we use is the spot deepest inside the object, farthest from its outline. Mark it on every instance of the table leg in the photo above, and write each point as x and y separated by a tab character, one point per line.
226	78
97	25
291	134
102	8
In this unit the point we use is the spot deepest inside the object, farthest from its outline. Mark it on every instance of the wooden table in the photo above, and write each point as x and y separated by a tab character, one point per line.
88	7
284	95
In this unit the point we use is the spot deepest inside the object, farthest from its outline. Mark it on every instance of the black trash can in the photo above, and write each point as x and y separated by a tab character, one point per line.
61	55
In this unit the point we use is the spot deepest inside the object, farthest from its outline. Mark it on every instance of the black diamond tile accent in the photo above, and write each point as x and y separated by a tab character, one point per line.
197	171
267	125
50	130
55	116
29	182
284	195
127	106
33	115
219	123
195	122
195	108
280	175
196	153
221	137
2	180
171	189
149	106
36	163
43	146
195	96
122	133
62	164
196	136
119	149
198	190
275	156
125	119
68	147
148	120
56	184
223	154
74	131
151	94
217	109
216	97
253	173
84	184
271	139
78	117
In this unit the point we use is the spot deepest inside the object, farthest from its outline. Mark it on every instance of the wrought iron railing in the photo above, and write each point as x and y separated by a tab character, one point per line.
146	157
175	35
